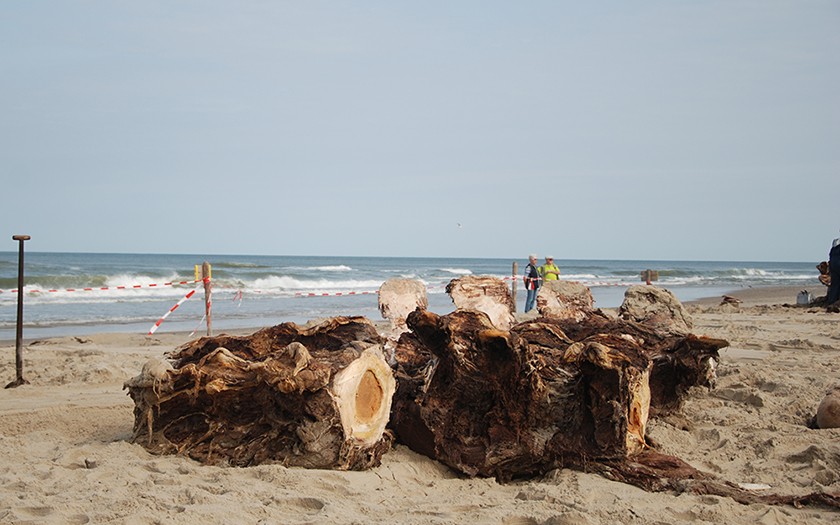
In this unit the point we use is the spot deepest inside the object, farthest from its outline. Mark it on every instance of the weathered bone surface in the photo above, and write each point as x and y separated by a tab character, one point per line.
400	297
655	307
565	300
484	294
317	396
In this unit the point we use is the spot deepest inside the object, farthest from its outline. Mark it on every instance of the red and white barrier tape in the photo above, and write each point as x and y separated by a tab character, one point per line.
203	317
312	294
179	303
296	294
585	283
239	293
103	288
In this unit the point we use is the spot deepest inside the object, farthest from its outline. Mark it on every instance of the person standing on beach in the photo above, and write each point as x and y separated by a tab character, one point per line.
532	282
834	272
548	271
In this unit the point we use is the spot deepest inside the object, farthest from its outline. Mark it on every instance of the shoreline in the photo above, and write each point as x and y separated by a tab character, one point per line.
749	296
764	295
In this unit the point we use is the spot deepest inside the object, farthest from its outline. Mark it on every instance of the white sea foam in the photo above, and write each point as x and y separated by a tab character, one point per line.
238	265
457	271
755	272
118	288
336	268
143	280
581	276
325	268
40	295
286	283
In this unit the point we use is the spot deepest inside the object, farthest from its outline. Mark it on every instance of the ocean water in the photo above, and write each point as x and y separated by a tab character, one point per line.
83	293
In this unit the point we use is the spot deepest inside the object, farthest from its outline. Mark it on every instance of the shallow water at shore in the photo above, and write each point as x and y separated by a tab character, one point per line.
70	294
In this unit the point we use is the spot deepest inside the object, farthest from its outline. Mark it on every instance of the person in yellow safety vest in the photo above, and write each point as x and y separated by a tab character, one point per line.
548	271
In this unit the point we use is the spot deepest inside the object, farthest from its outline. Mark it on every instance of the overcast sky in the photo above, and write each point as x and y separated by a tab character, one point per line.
611	130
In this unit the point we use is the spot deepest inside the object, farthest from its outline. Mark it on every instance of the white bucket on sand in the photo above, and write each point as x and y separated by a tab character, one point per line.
803	298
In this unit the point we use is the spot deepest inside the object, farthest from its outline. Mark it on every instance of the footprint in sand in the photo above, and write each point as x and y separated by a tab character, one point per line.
154	467
520	520
33	512
815	456
571	518
309	506
740	395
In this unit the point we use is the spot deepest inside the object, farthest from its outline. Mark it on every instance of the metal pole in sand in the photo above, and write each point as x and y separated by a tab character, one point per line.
513	284
19	333
206	272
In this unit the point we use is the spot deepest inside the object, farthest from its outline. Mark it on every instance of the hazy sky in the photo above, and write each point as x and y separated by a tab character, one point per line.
613	130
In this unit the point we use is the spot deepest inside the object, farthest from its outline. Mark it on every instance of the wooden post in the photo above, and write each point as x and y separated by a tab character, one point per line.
206	273
19	380
513	284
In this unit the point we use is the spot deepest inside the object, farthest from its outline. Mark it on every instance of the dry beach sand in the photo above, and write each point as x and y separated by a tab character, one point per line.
65	455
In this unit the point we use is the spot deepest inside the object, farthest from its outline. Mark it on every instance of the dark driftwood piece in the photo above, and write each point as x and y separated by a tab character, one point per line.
548	393
679	362
486	402
545	394
657	472
554	393
315	397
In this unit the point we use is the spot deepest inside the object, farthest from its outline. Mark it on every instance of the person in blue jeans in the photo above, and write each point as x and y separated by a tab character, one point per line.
834	271
532	282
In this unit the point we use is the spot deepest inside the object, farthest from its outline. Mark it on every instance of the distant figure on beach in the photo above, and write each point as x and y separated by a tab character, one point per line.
548	271
834	271
532	282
